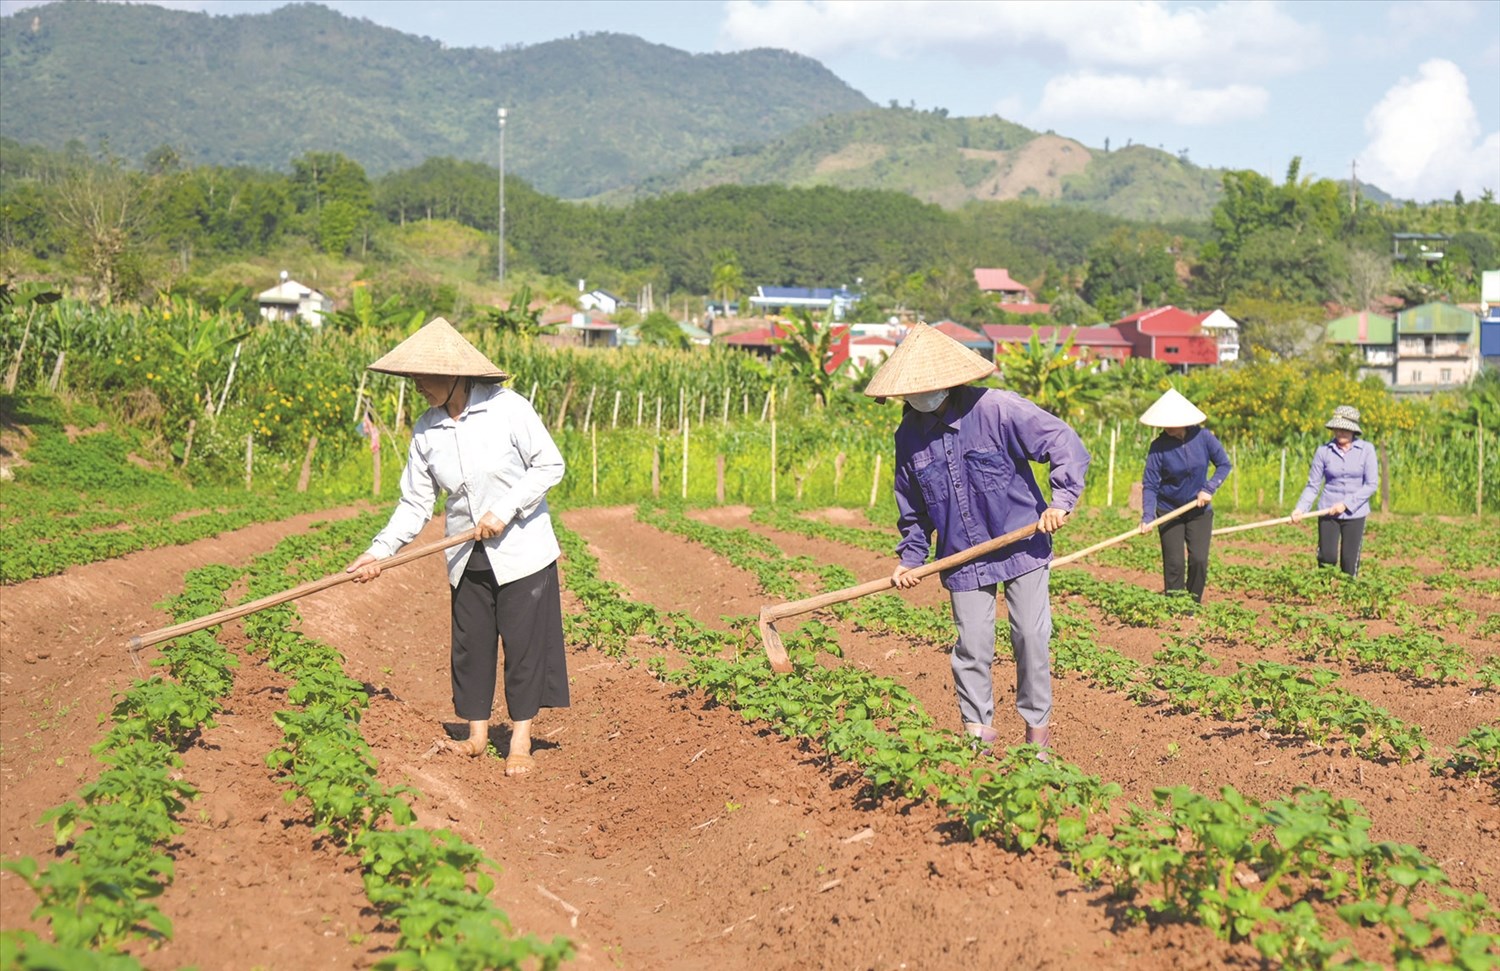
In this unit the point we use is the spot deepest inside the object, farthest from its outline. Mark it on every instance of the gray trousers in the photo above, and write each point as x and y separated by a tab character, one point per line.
1030	612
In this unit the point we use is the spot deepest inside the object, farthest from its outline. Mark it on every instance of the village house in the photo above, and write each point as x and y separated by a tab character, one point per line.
1437	346
815	300
1101	344
1373	338
290	300
1014	297
1172	336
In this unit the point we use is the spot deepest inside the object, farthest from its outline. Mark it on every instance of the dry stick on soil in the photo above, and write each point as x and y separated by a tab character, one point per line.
209	620
573	912
1279	521
770	614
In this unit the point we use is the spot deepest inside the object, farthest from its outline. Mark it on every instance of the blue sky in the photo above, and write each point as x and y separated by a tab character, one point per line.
1410	89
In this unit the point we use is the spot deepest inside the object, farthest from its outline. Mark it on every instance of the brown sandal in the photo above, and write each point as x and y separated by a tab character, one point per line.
519	764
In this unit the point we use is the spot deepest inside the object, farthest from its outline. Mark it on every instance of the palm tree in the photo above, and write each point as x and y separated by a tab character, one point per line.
728	278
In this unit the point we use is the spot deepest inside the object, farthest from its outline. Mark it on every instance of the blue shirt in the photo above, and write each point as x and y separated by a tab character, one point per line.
1349	477
963	471
496	456
1176	471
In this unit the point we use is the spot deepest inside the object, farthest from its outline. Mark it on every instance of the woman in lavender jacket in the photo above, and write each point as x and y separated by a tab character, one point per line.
1347	472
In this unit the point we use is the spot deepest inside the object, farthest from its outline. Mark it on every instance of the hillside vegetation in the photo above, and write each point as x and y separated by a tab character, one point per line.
954	161
587	113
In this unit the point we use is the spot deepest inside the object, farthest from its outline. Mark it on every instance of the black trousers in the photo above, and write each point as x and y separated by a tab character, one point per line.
1339	542
1190	531
524	614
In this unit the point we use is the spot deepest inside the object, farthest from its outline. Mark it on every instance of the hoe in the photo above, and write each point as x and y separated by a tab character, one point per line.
771	613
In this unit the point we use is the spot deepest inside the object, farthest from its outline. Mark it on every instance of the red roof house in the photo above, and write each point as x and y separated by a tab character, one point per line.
1089	343
1171	336
760	341
998	281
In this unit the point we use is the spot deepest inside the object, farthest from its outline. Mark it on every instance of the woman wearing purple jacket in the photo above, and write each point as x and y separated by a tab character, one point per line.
1176	474
1348	473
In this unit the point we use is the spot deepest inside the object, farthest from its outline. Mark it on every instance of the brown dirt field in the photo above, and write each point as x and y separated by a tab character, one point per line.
658	831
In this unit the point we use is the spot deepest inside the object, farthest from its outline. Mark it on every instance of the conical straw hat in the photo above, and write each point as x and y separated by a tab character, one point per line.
1172	410
927	360
438	349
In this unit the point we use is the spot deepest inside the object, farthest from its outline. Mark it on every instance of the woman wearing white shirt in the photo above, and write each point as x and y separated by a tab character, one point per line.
486	448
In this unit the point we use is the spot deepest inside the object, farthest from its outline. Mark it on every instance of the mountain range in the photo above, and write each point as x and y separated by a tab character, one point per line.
608	117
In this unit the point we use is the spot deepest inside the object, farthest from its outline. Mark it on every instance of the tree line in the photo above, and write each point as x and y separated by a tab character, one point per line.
1274	254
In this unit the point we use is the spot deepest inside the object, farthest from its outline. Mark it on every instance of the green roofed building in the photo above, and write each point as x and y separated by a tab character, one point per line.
1437	346
1374	340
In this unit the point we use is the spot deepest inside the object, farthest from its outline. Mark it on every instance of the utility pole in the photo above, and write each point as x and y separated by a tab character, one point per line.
500	259
1353	186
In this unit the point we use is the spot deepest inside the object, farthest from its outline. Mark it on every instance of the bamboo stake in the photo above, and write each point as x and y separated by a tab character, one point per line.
57	372
375	460
249	455
725	419
594	460
1109	496
588	412
875	480
187	450
702	406
655	472
1479	490
719	478
400	403
658	416
771	404
305	478
140	641
359	396
614	417
234	362
1080	554
640	407
531	398
1279	521
686	423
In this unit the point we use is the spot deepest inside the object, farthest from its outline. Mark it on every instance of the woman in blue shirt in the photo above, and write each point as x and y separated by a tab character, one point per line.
1347	472
1177	474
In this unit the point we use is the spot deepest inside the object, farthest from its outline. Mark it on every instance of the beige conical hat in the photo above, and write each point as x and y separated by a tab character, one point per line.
1172	410
438	349
927	360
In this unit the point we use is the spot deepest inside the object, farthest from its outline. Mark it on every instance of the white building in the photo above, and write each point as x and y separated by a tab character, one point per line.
290	300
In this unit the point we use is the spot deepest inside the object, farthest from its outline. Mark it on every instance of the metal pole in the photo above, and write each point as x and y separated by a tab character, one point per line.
500	259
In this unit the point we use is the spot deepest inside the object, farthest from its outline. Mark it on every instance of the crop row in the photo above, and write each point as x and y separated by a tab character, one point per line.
1179	859
431	884
99	893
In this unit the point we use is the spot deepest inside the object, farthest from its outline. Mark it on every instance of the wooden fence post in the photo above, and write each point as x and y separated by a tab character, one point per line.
187	450
686	423
614	418
640	407
1479	477
1385	480
719	478
1281	482
655	471
249	456
588	412
875	481
838	472
305	478
725	419
1235	462
594	459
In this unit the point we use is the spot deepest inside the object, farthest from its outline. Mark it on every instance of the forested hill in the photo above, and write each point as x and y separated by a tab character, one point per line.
952	161
587	114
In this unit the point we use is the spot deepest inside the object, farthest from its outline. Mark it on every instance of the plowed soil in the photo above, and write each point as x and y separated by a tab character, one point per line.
659	831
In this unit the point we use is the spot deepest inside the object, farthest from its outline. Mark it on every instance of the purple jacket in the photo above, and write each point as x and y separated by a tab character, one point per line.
1349	477
964	472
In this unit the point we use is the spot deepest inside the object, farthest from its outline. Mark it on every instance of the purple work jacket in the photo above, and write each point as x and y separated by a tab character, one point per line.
964	472
1349	477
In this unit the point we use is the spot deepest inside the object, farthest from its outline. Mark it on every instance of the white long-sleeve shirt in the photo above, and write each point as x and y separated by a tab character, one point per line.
496	456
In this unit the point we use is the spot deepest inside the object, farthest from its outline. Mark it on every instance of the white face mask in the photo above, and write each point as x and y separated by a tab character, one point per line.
928	401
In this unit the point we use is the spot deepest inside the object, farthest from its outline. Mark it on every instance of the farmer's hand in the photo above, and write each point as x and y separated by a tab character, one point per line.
1144	527
1052	520
1338	509
903	578
490	525
1204	498
365	569
1297	515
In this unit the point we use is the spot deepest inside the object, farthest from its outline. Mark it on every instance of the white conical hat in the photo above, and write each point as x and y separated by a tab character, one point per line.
927	360
438	349
1172	410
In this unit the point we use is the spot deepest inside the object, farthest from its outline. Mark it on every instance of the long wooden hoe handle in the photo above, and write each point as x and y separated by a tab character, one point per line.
332	580
1080	554
771	614
1278	521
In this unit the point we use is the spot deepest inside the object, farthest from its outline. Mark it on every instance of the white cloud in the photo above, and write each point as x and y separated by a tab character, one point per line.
1221	42
1426	141
1168	100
